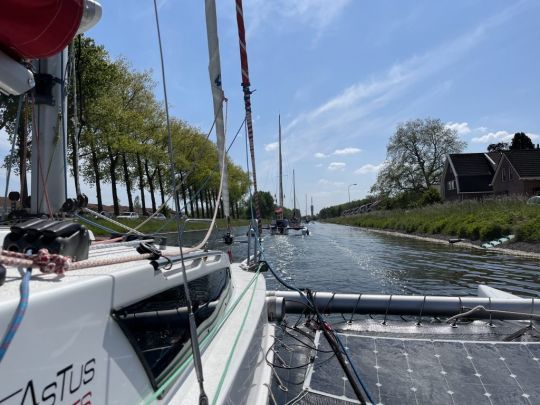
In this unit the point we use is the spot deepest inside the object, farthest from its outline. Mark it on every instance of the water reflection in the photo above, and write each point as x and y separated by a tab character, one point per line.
345	259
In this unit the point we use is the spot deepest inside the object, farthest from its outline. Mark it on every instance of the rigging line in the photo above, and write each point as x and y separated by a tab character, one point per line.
203	399
62	108
40	168
184	179
236	339
12	153
205	181
212	332
312	305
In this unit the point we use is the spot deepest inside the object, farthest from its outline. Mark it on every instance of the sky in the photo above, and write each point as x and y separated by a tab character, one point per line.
342	74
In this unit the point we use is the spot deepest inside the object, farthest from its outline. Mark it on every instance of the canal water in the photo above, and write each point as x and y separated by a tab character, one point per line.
345	259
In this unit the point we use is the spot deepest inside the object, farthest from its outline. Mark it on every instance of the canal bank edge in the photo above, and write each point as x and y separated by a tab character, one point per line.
506	251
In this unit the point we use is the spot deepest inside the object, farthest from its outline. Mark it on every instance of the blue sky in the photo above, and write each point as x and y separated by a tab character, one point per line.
342	74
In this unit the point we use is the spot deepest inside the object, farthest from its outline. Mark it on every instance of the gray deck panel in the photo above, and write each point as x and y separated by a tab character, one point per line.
442	372
524	367
363	357
460	373
394	378
426	367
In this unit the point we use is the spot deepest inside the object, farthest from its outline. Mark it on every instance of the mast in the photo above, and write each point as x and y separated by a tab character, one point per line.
306	211
214	69
280	170
294	195
311	207
49	138
247	102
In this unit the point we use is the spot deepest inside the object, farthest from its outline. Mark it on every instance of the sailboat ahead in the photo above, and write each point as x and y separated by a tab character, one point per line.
280	224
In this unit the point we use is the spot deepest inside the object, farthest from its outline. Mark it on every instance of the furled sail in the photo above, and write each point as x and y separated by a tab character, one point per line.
214	69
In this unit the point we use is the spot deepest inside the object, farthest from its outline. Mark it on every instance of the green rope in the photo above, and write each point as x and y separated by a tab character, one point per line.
204	342
233	348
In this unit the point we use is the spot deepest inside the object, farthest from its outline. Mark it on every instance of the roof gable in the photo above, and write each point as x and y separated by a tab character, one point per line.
471	164
525	162
473	171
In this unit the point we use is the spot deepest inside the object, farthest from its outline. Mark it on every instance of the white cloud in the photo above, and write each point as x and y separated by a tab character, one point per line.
461	128
316	14
271	146
347	151
319	165
356	110
500	136
338	152
369	168
336	166
326	182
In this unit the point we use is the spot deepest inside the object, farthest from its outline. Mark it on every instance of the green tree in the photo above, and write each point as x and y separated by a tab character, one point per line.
521	141
266	203
415	156
497	147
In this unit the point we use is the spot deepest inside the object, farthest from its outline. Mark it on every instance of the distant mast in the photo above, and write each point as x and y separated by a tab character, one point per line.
247	102
280	172
218	97
294	195
311	207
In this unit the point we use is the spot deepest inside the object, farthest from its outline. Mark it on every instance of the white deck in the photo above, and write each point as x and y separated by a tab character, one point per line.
68	324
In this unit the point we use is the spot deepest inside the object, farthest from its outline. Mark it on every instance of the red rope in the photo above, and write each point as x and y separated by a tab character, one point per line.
59	264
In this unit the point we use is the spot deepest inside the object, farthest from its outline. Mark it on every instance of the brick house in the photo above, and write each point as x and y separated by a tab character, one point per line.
476	175
518	172
467	175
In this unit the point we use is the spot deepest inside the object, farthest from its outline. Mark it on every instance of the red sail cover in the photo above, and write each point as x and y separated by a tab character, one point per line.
34	29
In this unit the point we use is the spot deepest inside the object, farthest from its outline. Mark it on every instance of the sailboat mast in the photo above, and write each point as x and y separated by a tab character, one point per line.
280	167
214	69
294	194
311	207
247	102
48	168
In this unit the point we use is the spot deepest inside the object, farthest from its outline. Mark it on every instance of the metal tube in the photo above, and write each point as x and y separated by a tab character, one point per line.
327	302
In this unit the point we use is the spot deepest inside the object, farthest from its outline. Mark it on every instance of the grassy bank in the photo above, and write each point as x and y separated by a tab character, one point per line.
474	220
154	226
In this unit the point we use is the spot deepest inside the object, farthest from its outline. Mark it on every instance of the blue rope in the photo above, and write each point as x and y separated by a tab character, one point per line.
18	315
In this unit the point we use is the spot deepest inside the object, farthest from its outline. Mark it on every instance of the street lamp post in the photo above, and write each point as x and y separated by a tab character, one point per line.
349	190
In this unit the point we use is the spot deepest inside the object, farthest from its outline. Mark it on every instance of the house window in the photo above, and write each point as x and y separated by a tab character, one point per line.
510	175
158	327
504	175
451	185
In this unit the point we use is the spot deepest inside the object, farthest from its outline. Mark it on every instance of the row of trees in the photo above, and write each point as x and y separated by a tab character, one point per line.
118	137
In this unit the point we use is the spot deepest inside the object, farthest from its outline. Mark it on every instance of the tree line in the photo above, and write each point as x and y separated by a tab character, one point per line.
117	137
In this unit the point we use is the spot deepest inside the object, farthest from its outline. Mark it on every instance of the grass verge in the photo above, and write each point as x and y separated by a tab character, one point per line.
475	220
